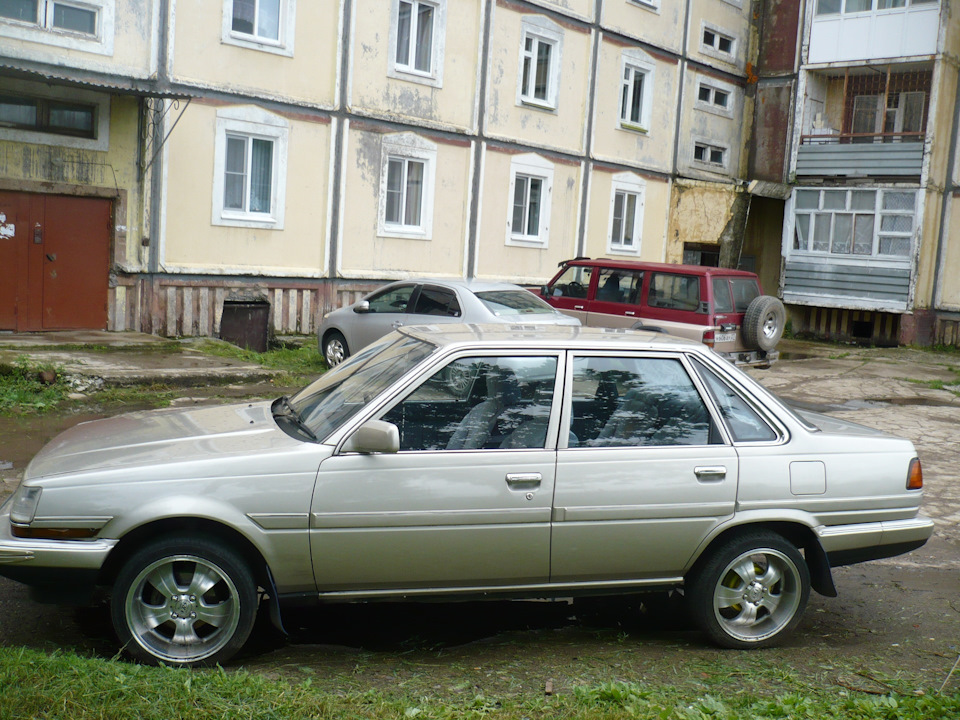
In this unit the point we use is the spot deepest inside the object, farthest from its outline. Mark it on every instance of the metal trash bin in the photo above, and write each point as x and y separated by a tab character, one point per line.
246	323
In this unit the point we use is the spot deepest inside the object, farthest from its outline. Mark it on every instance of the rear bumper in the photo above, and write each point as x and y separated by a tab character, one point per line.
847	544
752	358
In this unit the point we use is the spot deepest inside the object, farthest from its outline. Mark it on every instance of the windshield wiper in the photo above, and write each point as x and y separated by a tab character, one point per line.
283	407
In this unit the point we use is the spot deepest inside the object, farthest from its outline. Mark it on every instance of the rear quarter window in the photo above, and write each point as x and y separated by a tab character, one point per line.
674	292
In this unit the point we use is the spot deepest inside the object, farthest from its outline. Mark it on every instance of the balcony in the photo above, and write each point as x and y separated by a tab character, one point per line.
861	155
871	30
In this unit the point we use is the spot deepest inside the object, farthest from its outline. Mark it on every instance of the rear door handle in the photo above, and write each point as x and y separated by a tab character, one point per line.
713	473
524	481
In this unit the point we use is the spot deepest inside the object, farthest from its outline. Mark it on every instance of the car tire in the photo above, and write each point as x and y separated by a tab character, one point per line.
184	602
335	349
763	323
750	591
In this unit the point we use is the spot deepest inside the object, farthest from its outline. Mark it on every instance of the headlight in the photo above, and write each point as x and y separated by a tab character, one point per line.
24	506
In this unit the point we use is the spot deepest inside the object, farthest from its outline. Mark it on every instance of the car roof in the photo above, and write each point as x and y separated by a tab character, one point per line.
547	337
473	286
668	267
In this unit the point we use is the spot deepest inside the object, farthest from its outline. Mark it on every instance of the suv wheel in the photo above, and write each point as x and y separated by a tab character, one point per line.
189	602
750	591
763	323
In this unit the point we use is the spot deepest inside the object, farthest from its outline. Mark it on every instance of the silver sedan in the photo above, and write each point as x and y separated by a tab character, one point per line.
572	461
416	302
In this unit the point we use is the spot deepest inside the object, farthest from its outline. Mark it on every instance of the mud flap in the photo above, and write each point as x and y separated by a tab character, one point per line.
821	579
273	604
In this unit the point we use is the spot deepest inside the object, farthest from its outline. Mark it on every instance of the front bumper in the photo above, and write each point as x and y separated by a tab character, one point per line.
847	544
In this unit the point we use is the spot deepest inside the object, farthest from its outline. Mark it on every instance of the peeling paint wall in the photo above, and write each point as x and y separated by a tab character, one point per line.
306	75
191	243
699	212
661	26
364	253
561	129
498	261
725	18
652	149
656	202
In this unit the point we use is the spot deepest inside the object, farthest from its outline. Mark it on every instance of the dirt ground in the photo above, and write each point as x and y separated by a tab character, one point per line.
896	622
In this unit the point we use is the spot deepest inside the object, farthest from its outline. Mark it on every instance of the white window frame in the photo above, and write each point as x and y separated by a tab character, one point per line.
408	146
531	166
434	76
540	30
38	137
282	46
43	31
715	86
652	5
628	184
637	61
710	146
256	123
714	50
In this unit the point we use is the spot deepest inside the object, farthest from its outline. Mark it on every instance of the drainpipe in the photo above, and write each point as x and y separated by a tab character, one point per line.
588	144
478	145
333	239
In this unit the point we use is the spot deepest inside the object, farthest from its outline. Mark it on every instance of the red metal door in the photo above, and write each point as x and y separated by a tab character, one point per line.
54	269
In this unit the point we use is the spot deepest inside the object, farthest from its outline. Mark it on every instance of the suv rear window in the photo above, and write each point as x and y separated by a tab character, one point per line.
674	292
744	291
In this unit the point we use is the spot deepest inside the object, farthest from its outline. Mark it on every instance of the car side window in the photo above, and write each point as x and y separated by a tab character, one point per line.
722	302
674	292
437	301
573	283
634	401
743	422
479	403
394	300
619	286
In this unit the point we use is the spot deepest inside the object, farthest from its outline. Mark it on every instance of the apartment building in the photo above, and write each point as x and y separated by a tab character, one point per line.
159	159
870	243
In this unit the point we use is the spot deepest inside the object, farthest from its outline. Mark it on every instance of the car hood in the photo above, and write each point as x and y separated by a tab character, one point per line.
164	437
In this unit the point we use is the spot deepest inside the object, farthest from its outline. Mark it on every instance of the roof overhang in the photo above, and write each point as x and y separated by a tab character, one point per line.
86	79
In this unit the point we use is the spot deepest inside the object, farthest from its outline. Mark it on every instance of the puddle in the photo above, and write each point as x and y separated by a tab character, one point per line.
797	356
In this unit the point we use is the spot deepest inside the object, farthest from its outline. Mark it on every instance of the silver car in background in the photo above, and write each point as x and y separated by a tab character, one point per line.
418	302
574	461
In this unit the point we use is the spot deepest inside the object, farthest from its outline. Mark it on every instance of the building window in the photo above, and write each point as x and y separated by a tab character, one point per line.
626	214
854	222
709	154
417	41
259	24
48	115
406	187
83	25
540	52
531	189
715	97
648	4
717	43
847	7
250	168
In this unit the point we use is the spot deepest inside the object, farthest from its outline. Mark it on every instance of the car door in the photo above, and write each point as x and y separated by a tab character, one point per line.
386	311
647	472
570	291
433	305
616	302
466	502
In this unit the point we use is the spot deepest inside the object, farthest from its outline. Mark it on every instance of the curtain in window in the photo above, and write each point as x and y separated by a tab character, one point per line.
67	117
403	33
543	71
424	37
629	217
244	12
394	190
519	204
18	111
235	173
414	197
533	207
261	172
268	21
25	10
81	20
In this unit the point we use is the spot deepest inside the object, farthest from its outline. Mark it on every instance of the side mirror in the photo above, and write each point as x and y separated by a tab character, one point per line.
362	307
374	436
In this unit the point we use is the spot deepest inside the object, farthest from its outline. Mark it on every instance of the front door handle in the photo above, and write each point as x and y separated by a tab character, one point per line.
713	473
524	481
578	307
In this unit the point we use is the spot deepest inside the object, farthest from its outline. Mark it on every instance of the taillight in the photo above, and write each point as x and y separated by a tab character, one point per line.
708	338
914	475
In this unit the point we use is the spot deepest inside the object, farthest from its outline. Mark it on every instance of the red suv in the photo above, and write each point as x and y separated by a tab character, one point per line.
725	309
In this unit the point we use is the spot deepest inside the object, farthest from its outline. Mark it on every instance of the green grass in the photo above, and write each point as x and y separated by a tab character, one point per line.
22	391
299	364
65	686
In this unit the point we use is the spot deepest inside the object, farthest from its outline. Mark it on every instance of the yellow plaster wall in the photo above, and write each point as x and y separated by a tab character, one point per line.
582	9
373	91
698	214
662	27
199	55
653	149
561	129
728	18
191	241
498	261
363	253
950	274
655	211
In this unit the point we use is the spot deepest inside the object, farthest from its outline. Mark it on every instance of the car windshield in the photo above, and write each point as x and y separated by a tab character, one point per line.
339	394
513	302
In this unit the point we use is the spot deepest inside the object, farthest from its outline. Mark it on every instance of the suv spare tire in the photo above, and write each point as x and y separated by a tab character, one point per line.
763	323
